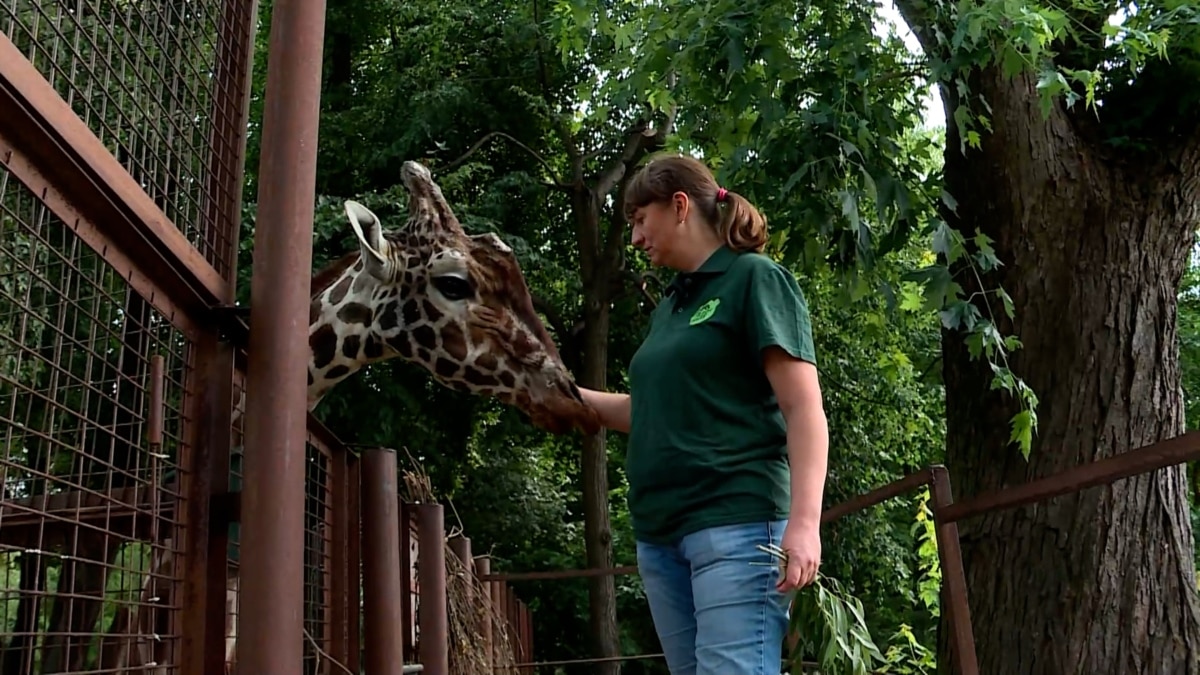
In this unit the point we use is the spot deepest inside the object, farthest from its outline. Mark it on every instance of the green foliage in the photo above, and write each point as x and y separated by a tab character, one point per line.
1079	50
815	93
430	80
821	97
832	627
1188	327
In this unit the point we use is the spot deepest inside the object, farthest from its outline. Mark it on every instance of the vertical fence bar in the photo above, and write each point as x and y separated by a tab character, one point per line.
431	571
206	537
341	611
526	652
272	608
353	592
532	651
498	614
461	546
382	622
206	548
529	637
483	567
514	612
954	580
514	642
406	565
206	594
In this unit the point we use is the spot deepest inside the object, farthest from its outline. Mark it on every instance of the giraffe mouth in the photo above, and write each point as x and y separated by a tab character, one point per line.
561	410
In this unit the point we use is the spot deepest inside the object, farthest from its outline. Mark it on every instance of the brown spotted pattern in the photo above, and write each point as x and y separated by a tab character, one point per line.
454	304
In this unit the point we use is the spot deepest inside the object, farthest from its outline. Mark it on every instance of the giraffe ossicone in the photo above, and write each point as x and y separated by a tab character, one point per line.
456	304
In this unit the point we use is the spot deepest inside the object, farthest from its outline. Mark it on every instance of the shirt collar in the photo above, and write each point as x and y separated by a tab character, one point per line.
715	265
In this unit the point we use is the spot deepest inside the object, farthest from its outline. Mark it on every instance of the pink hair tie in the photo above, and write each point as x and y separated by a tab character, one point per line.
721	192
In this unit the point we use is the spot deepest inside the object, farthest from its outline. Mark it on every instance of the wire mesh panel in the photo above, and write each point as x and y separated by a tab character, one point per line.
233	568
146	78
332	579
317	559
91	384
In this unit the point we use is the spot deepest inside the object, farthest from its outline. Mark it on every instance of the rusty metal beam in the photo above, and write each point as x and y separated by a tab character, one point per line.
92	193
272	567
560	574
877	496
1182	448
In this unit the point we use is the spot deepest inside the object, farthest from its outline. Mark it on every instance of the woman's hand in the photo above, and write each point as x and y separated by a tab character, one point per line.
802	543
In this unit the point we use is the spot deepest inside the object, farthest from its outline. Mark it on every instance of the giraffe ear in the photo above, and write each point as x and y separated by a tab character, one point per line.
369	231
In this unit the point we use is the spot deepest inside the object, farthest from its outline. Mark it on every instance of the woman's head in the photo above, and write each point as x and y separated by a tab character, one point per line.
677	209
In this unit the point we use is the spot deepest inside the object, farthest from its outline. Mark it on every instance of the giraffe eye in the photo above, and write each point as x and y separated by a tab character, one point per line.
453	286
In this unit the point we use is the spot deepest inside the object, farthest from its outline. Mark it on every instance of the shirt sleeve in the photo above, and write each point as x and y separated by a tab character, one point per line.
777	313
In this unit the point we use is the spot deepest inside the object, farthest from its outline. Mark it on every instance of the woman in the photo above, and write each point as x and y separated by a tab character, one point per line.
727	434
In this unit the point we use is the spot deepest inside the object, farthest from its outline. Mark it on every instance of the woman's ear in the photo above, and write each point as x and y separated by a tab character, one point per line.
682	204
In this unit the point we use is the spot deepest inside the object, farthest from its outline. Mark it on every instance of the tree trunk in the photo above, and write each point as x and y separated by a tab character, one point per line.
1102	581
602	594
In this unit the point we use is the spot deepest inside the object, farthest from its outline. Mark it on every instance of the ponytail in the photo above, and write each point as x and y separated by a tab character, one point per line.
737	222
742	227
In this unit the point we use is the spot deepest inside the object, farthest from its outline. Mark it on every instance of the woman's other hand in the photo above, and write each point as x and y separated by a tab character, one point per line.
802	543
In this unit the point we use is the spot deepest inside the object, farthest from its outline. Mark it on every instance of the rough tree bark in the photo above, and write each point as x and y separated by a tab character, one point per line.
594	267
1093	247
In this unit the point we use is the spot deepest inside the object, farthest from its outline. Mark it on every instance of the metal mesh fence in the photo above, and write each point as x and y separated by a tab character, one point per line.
88	528
317	558
92	375
144	76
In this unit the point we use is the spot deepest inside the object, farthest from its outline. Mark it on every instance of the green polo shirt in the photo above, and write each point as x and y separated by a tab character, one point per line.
708	443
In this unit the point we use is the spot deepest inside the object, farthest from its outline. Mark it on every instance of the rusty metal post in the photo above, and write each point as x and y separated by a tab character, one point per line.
340	611
381	564
954	580
272	608
353	639
483	567
526	634
461	546
431	574
406	566
510	628
497	593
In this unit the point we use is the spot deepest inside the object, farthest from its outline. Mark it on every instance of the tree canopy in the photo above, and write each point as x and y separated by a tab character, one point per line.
903	234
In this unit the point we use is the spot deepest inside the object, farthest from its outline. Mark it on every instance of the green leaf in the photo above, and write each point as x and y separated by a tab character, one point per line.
1022	425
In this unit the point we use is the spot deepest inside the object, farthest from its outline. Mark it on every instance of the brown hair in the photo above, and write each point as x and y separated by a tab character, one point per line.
737	221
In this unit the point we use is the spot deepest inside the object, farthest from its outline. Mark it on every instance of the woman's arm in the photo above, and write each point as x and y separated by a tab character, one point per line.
798	391
613	409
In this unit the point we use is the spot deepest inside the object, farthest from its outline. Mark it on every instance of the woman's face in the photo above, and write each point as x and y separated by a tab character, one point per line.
656	229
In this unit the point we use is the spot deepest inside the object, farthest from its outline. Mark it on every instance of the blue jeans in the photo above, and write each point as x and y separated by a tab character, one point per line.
714	612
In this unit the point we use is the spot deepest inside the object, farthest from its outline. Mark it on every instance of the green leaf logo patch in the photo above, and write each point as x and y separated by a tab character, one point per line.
705	312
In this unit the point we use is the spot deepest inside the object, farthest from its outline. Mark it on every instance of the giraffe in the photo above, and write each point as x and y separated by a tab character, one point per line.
453	303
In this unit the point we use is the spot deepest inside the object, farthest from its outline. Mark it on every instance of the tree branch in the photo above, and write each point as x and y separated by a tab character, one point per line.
640	281
555	182
642	138
921	18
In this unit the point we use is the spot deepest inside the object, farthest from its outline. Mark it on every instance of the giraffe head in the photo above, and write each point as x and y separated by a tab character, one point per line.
454	303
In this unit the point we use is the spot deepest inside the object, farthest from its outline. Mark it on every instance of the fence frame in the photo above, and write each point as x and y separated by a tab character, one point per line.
50	150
